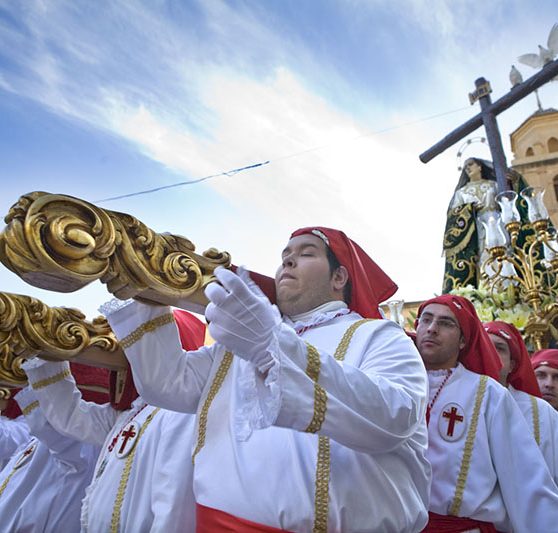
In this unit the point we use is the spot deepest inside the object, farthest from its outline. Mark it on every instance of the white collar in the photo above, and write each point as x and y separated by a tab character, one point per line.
318	315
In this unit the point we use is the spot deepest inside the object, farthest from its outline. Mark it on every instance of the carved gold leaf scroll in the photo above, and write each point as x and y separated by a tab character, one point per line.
62	243
30	328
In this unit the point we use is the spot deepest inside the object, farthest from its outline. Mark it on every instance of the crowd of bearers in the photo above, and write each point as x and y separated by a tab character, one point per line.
309	413
143	476
518	377
44	481
487	471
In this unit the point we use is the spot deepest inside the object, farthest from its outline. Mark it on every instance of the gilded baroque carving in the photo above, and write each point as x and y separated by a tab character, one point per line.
61	243
30	328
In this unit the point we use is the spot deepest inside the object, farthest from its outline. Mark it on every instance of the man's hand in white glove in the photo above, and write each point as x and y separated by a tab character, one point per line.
240	319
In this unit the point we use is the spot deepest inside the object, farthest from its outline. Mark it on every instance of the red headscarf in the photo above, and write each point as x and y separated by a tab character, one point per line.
370	284
12	410
265	283
522	376
192	335
478	355
89	376
85	376
545	357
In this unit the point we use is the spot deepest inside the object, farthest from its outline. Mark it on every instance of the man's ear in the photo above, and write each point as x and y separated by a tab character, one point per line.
340	278
462	343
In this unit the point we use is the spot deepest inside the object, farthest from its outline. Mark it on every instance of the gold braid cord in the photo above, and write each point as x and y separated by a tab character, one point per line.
30	328
6	481
218	380
323	462
147	327
117	510
536	420
30	408
62	243
468	451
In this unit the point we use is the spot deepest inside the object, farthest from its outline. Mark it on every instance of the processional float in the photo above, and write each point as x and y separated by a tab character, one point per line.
61	243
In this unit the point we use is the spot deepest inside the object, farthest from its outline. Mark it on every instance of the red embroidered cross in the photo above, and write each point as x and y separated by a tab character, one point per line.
453	418
29	451
126	436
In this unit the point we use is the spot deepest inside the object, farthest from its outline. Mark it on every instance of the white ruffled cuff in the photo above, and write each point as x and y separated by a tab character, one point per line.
114	305
30	364
126	316
260	392
38	369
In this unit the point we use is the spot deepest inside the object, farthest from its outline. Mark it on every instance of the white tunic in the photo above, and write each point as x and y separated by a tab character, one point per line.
253	456
143	478
13	433
42	485
542	420
506	481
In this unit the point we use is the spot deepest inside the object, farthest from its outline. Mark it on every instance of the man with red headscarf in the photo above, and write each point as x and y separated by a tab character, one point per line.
42	485
309	421
545	365
519	378
143	478
487	472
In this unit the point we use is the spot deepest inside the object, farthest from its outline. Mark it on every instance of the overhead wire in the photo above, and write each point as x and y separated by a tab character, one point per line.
235	171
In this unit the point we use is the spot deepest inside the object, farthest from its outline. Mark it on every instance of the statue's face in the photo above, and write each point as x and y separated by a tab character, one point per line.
473	170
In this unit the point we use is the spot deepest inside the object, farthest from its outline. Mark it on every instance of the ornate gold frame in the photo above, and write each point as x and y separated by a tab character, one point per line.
61	243
29	328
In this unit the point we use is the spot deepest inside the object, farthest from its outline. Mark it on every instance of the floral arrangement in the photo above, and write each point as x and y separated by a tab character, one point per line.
491	306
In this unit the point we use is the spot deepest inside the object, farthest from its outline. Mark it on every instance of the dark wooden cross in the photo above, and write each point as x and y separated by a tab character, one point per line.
126	436
453	418
487	116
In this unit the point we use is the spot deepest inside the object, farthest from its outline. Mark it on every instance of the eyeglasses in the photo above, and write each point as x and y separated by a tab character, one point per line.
442	323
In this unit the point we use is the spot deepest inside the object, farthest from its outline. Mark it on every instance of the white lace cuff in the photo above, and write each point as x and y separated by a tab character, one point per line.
42	373
260	393
30	364
114	305
128	317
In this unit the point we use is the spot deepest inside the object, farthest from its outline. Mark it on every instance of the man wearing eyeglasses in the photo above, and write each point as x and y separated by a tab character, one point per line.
487	472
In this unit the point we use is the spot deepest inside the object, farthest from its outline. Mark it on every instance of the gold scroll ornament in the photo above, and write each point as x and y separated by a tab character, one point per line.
61	243
30	328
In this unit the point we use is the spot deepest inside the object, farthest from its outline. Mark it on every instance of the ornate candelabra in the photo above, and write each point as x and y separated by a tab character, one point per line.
523	260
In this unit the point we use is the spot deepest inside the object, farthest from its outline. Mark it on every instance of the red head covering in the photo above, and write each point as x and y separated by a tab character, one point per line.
545	357
88	376
522	376
85	376
265	283
370	284
12	410
478	355
192	335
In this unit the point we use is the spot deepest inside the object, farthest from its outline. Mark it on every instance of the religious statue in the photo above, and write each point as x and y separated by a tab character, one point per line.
473	202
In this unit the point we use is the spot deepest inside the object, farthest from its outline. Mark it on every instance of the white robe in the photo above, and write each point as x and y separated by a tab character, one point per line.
13	433
157	495
44	493
507	482
546	428
257	462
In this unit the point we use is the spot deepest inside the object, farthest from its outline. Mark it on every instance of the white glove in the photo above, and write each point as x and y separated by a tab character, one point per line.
240	319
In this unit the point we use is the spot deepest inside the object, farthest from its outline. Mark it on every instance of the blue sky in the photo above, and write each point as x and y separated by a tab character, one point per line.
106	98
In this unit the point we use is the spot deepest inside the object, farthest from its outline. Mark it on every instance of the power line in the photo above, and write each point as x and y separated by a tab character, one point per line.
191	182
235	171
